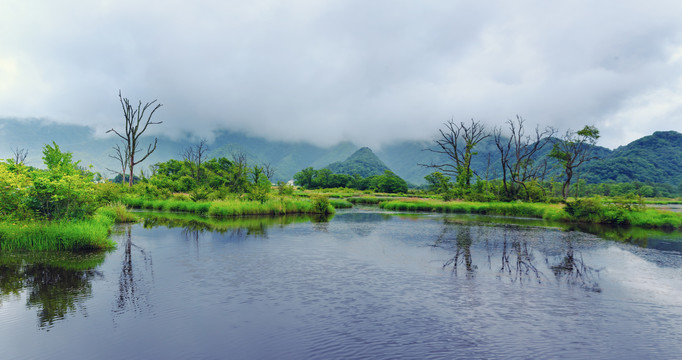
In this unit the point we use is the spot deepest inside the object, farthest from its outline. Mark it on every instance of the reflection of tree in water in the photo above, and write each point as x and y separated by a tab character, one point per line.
131	284
362	223
56	286
461	241
57	292
236	227
572	269
519	267
514	248
321	222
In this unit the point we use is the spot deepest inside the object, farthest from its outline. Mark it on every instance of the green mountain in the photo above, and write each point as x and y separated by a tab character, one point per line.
656	158
286	158
363	162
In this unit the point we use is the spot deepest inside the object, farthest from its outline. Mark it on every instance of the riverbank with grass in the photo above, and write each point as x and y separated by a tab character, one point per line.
229	208
63	235
591	211
552	212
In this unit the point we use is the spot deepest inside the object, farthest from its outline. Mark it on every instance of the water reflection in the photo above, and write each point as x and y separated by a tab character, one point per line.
55	284
514	251
362	223
235	227
659	239
132	287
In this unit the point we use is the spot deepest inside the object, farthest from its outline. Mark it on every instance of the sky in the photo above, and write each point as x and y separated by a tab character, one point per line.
325	71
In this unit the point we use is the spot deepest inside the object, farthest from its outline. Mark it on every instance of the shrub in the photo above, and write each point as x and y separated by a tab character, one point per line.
284	188
321	205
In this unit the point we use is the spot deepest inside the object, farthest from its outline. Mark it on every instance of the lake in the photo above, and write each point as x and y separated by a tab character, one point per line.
365	284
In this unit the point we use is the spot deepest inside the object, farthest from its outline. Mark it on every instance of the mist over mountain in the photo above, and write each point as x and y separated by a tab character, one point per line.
363	162
655	158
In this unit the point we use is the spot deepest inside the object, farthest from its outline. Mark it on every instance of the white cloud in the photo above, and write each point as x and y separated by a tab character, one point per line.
327	71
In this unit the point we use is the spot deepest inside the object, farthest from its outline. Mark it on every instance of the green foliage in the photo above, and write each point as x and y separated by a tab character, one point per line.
260	190
321	205
199	194
61	191
438	183
284	189
340	203
653	159
388	182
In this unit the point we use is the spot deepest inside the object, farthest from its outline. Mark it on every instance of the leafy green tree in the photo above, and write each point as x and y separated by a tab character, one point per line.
573	150
15	183
63	190
391	183
304	178
438	183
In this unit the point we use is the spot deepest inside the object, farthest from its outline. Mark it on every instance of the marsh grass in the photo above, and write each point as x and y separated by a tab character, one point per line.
76	235
366	200
340	203
231	207
535	210
65	235
594	214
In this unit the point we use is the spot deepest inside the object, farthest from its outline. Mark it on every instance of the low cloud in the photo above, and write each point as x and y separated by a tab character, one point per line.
330	71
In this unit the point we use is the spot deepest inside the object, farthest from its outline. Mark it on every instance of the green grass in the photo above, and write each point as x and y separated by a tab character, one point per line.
65	235
365	200
648	218
234	207
340	203
535	210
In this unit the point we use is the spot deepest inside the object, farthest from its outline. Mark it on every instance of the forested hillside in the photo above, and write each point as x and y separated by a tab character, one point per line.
656	158
363	162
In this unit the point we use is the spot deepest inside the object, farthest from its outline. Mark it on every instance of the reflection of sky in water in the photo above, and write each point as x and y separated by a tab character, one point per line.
365	284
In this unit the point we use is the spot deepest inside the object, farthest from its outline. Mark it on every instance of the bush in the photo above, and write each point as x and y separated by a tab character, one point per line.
321	205
284	189
198	194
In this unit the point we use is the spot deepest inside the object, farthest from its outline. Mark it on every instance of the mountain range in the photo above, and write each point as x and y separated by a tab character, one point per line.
655	158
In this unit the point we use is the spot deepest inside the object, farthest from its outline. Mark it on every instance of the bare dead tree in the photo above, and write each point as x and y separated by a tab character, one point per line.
268	170
122	156
131	136
195	155
519	154
238	175
457	142
19	155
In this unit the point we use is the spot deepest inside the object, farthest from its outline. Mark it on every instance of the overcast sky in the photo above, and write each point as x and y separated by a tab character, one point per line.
328	71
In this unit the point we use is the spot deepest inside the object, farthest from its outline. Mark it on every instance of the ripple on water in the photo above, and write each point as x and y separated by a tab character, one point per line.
374	286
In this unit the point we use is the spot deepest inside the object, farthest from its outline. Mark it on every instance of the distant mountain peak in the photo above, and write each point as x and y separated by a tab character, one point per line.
362	162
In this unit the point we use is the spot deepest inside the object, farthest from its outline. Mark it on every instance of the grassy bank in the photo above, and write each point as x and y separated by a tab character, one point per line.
227	208
253	224
366	200
589	211
536	210
64	235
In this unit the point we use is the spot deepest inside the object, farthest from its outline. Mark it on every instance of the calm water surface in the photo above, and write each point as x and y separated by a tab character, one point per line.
363	285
